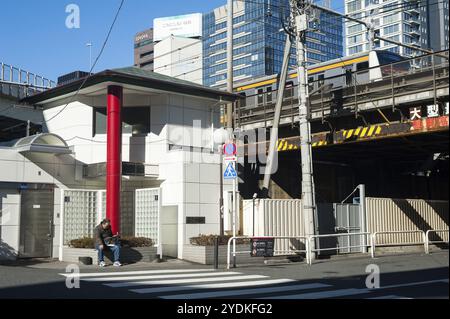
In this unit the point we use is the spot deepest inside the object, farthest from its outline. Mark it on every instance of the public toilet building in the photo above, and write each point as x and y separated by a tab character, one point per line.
132	145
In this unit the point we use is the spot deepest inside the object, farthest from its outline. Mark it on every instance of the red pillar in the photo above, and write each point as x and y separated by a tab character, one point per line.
114	156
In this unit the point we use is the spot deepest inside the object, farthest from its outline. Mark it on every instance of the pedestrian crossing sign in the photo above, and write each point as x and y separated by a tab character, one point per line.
230	172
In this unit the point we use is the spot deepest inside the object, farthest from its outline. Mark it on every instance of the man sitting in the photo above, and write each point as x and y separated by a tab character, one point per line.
104	240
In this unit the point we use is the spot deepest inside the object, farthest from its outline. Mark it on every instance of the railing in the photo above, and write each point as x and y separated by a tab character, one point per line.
363	245
307	249
20	83
373	238
427	238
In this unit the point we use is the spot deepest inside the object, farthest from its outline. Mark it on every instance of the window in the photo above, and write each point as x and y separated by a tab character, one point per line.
260	97
135	120
362	66
269	94
289	90
353	6
391	29
390	18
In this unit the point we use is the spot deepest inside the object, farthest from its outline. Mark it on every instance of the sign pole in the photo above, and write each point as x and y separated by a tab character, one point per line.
230	151
234	219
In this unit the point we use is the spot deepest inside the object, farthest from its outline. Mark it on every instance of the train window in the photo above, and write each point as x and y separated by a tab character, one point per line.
321	79
243	101
348	77
311	83
289	90
260	96
362	66
269	94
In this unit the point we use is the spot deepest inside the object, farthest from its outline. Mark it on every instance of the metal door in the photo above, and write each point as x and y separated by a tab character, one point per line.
36	223
348	220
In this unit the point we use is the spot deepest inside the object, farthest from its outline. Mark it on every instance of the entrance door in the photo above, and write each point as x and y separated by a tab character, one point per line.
36	223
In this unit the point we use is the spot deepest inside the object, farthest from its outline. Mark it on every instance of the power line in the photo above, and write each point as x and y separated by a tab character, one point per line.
93	65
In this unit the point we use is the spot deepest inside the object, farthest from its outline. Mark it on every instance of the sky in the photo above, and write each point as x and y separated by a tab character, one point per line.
35	38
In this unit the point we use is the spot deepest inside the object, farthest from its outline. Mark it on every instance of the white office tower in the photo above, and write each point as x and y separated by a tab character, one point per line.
419	23
178	47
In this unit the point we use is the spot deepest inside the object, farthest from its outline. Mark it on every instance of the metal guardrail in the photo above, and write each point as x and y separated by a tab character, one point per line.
427	238
337	247
373	238
307	249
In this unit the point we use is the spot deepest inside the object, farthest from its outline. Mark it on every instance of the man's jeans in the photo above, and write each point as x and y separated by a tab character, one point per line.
114	249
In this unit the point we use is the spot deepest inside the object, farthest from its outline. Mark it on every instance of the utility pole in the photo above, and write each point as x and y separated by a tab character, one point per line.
300	10
276	118
230	13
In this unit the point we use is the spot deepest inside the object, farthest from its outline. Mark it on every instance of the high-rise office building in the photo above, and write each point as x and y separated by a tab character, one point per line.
144	50
259	40
439	24
418	23
178	47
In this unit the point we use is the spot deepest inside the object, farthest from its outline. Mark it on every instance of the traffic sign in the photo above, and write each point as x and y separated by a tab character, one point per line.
230	149
230	159
230	172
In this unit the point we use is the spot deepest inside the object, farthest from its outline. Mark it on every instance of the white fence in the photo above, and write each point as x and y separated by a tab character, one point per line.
276	217
389	217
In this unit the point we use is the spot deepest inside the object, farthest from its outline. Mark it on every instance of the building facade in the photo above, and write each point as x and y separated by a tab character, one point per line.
178	47
423	24
144	54
259	41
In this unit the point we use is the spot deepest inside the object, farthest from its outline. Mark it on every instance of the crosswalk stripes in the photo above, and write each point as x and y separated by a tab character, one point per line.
241	292
208	283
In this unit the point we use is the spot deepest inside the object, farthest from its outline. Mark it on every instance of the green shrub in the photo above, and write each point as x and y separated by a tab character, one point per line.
127	241
208	240
85	242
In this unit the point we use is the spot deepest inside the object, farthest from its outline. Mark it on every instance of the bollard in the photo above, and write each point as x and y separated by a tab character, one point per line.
216	252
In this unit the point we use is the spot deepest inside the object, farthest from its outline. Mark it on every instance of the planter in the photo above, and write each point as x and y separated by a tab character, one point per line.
127	254
205	254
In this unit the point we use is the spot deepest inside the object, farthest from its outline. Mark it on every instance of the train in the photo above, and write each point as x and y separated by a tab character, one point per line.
339	73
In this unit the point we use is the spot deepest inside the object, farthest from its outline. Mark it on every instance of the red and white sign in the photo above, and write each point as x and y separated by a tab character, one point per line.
229	149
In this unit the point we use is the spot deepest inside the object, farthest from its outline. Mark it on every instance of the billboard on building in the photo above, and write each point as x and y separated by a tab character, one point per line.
188	26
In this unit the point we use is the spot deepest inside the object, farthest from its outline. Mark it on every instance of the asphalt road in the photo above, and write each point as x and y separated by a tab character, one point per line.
400	277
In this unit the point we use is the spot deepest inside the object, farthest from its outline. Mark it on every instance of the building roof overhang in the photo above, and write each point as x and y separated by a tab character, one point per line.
132	78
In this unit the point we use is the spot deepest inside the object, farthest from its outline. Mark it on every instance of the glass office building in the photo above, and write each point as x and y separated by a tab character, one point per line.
259	41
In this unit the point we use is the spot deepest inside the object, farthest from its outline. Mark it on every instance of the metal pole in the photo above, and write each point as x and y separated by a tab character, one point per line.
300	12
235	201
28	127
221	191
216	252
230	14
276	118
362	207
253	219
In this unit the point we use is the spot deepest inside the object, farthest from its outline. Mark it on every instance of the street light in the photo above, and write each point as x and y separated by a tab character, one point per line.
89	45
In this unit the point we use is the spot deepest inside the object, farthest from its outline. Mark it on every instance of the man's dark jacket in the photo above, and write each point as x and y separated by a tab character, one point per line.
101	234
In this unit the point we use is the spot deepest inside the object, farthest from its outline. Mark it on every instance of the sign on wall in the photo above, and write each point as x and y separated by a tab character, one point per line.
188	26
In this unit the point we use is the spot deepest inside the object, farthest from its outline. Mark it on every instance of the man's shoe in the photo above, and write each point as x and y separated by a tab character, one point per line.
117	264
102	264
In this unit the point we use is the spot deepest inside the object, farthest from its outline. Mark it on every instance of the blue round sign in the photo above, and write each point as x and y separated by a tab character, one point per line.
230	149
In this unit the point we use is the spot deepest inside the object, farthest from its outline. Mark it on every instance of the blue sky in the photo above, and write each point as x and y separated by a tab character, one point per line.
35	38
